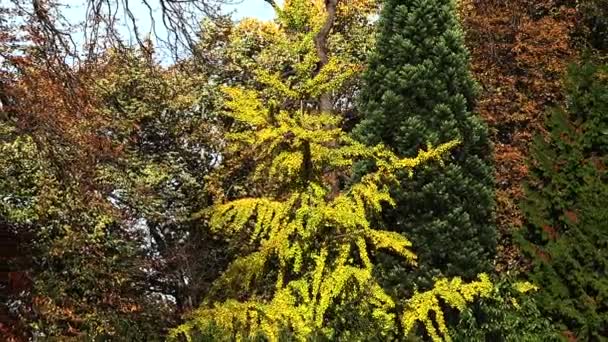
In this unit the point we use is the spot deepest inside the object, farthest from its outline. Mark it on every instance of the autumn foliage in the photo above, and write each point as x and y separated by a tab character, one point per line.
519	50
236	178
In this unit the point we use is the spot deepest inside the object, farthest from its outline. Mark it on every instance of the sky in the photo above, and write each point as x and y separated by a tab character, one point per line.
246	8
254	8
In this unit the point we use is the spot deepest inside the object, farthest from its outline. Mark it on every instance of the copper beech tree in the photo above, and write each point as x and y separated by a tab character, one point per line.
519	51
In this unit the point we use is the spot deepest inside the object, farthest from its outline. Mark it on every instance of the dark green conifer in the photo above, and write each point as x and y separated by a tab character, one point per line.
419	91
566	208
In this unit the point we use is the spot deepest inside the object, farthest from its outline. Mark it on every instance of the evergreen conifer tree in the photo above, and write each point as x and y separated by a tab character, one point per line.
418	91
565	206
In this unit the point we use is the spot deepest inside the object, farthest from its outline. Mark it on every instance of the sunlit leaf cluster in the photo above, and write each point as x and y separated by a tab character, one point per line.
307	224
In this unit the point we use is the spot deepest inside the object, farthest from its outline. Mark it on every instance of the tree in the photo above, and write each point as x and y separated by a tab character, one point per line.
85	264
519	53
509	313
565	206
307	243
85	268
238	52
164	121
418	91
594	14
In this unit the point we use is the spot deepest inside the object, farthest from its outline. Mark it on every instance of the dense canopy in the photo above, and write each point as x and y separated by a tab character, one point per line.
350	170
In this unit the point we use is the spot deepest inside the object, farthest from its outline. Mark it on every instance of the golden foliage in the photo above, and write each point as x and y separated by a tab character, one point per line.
309	233
454	293
321	243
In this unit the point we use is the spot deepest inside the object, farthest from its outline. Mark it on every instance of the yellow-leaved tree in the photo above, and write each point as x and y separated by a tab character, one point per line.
307	222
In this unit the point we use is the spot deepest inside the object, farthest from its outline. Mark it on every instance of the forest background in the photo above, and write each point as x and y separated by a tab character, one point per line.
334	170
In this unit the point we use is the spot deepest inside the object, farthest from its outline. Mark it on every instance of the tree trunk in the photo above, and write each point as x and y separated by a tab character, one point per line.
325	102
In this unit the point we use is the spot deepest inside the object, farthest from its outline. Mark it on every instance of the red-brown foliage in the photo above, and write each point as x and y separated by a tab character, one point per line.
519	49
571	215
48	100
11	283
57	110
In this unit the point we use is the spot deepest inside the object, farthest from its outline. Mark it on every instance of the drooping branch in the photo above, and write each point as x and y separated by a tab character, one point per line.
181	19
102	24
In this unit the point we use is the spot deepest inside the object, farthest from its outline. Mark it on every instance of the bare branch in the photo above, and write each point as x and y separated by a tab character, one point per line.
101	23
273	4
